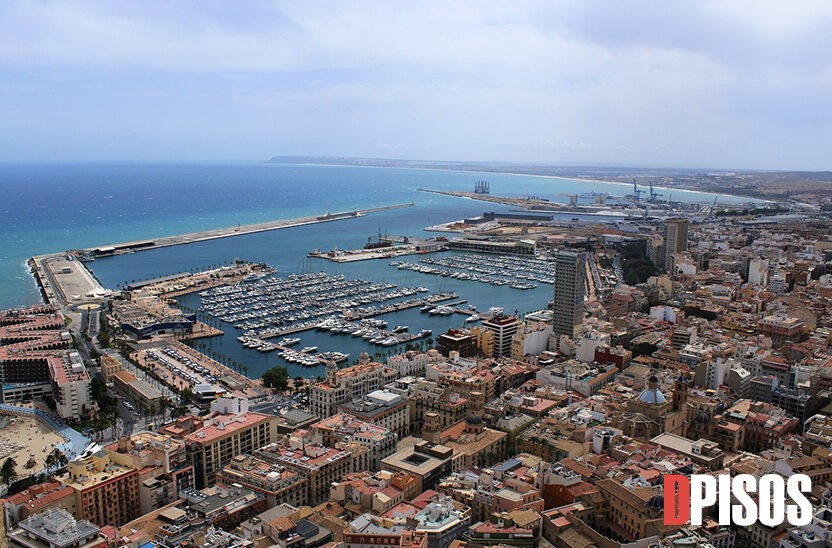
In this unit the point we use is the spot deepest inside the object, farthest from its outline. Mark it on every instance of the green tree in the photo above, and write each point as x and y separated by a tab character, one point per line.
277	378
7	471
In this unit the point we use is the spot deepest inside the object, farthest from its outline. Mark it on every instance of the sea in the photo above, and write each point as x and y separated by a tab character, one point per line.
51	207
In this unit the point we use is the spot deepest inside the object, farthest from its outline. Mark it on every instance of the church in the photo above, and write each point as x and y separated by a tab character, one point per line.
651	413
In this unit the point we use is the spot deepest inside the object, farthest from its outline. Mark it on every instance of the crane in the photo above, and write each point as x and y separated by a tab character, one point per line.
637	191
653	193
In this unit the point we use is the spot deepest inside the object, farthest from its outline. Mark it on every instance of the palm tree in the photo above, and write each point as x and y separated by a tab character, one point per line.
49	461
7	471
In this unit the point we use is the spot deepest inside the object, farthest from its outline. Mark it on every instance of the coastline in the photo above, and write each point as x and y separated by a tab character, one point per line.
532	175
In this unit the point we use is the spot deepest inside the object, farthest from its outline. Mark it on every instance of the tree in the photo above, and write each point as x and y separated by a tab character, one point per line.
49	461
277	378
7	471
644	349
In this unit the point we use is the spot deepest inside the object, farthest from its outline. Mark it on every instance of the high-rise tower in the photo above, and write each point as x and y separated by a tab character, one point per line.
570	290
675	240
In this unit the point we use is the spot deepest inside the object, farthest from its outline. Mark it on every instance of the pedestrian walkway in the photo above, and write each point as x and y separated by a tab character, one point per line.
76	441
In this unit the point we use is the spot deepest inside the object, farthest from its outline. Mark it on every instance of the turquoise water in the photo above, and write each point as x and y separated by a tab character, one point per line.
54	207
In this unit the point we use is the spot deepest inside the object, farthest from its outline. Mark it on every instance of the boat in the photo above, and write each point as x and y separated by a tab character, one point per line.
473	318
390	341
288	341
400	329
424	333
426	308
308	349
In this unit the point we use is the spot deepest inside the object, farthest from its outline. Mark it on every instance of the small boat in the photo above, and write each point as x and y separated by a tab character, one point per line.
473	318
308	349
390	341
400	329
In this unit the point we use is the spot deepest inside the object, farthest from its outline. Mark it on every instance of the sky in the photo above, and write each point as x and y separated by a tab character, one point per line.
706	84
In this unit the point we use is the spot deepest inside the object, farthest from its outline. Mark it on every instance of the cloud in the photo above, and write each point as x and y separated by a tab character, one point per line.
736	84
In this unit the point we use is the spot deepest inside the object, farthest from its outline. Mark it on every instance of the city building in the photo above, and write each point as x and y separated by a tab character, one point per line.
106	493
569	293
503	327
381	408
425	461
675	240
276	483
162	463
442	521
342	428
229	431
320	466
56	528
37	499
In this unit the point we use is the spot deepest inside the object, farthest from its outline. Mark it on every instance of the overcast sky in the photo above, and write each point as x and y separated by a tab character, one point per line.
687	84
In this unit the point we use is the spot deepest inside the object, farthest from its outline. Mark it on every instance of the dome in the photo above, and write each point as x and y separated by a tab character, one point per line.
703	418
653	379
652	396
656	502
474	420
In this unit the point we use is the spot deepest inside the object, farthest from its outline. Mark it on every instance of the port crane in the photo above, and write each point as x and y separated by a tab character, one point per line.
653	193
637	191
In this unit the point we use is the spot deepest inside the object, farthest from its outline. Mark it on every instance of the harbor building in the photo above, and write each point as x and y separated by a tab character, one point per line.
675	240
381	408
348	384
569	293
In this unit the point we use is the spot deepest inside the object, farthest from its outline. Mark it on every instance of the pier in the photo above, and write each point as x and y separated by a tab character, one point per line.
138	245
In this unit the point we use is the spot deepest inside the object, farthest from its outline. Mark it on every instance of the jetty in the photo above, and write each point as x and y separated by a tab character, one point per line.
167	241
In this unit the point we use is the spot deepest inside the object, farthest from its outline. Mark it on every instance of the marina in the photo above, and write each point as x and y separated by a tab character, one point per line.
274	307
516	272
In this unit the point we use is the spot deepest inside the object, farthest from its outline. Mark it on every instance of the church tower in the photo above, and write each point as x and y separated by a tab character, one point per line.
680	393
